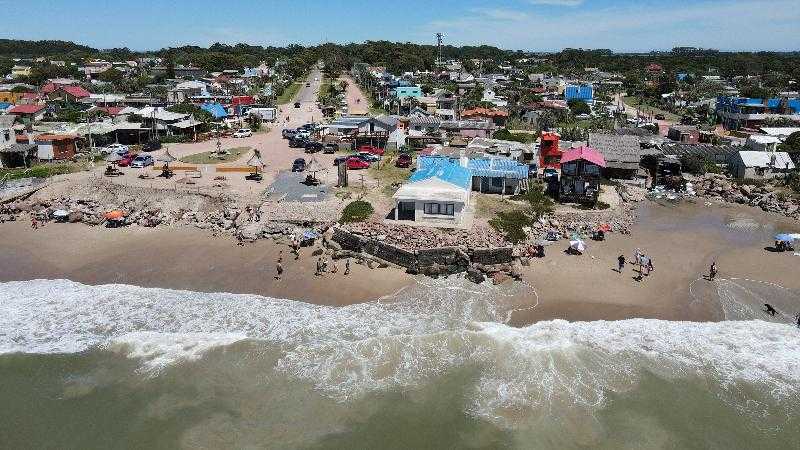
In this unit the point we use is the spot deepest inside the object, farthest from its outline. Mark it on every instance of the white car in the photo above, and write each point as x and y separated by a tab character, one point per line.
243	133
115	148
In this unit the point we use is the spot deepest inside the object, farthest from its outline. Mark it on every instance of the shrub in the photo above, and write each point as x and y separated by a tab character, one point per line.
357	211
511	224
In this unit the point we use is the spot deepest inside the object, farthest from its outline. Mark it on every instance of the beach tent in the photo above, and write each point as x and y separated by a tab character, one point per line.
578	245
215	109
255	161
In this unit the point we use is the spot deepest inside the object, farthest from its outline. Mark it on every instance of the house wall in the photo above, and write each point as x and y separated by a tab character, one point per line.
484	184
7	137
420	216
45	150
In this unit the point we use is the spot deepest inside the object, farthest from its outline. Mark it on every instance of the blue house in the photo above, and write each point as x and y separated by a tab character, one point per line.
407	91
742	112
583	92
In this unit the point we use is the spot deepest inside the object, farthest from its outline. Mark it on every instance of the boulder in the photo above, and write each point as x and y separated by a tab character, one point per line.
500	278
474	275
75	217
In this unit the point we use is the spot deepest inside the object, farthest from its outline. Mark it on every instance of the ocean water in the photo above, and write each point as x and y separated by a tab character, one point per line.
435	366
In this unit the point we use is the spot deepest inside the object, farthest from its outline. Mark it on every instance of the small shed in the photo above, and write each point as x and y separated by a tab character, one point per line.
498	175
437	195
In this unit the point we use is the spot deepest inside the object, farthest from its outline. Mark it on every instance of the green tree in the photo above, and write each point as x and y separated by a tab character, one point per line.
579	107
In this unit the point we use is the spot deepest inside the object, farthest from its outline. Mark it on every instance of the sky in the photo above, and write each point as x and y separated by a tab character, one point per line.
537	25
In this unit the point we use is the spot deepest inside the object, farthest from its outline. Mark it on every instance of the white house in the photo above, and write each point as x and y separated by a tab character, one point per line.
756	164
438	195
762	143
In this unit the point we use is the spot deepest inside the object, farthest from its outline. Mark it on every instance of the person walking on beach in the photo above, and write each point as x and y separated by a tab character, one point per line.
319	267
279	267
712	271
347	267
296	248
620	263
650	264
334	269
34	223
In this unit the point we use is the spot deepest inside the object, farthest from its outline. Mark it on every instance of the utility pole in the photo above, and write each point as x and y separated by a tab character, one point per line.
439	38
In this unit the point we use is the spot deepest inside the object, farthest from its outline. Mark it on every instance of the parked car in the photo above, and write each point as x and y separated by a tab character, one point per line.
288	133
299	165
368	157
356	163
302	134
340	159
143	161
126	160
151	145
115	148
330	149
296	104
313	147
371	149
297	142
243	133
660	117
403	161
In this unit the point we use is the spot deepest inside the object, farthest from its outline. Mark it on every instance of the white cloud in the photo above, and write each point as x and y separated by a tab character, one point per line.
726	25
556	2
501	14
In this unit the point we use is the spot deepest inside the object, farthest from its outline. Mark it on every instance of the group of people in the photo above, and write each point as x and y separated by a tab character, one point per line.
640	259
323	266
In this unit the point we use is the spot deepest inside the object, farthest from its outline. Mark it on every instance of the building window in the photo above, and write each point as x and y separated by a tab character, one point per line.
431	208
497	182
436	209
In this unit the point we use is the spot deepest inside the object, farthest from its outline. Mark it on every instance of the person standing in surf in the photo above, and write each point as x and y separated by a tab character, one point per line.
712	271
279	267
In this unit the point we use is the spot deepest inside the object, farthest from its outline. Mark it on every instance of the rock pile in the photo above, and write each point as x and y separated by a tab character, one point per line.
766	197
418	238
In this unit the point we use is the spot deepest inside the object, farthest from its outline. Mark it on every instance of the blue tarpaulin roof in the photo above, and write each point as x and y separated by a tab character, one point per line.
446	171
497	167
215	109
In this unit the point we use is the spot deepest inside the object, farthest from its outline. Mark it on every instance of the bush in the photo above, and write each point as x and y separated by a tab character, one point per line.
357	211
511	224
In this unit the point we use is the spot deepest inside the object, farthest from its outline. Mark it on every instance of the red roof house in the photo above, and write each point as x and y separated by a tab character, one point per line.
583	153
28	112
67	93
549	153
580	175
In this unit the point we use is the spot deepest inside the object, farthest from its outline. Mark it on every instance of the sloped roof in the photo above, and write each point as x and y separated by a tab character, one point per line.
585	153
446	171
619	152
433	189
498	167
75	91
779	160
26	109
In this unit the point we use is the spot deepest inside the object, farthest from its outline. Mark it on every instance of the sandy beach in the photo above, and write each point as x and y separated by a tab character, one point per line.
682	242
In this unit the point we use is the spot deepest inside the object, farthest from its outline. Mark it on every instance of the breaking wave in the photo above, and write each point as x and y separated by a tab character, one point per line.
350	351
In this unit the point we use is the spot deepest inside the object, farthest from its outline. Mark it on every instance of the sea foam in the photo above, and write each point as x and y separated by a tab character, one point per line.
350	351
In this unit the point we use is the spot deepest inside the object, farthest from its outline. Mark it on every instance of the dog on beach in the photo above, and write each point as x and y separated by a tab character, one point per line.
770	310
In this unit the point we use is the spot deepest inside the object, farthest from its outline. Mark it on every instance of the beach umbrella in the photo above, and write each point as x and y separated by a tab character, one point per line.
166	158
314	166
114	157
784	237
604	227
255	161
578	245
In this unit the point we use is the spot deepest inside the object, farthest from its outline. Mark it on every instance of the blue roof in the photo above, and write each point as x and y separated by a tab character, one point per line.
498	167
4	105
578	92
446	171
215	109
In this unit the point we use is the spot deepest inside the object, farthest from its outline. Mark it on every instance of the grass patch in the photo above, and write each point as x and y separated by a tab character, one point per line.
289	93
213	158
388	175
489	205
357	211
41	171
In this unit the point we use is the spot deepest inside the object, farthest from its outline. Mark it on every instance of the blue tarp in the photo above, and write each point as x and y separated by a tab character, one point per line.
446	171
4	105
215	109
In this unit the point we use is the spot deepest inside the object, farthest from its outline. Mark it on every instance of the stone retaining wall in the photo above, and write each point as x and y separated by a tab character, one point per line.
450	259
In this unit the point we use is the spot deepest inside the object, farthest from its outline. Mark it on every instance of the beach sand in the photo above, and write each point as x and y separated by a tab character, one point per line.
682	242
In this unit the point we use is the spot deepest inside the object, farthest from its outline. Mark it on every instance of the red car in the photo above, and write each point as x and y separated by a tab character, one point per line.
126	160
403	161
371	149
355	163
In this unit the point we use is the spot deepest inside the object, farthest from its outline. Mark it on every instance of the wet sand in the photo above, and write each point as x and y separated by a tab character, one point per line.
682	242
182	259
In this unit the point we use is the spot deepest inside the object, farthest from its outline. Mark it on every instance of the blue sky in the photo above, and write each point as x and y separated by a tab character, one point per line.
623	25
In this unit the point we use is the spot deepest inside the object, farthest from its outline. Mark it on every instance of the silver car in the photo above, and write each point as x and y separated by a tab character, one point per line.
142	161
